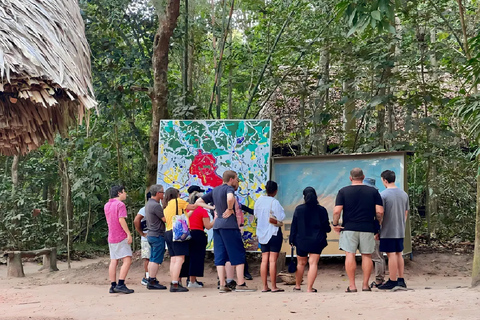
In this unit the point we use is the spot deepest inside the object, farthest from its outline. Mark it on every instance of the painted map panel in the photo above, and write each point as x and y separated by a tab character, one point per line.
328	175
198	152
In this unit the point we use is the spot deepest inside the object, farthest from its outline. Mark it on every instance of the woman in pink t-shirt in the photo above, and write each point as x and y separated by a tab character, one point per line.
198	221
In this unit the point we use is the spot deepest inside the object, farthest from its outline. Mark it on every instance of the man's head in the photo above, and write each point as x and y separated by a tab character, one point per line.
388	176
118	192
231	178
271	188
356	174
156	191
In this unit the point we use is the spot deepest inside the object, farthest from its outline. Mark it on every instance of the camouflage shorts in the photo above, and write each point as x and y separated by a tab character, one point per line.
146	251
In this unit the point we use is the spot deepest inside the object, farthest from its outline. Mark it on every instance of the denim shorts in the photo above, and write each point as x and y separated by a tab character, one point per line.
157	246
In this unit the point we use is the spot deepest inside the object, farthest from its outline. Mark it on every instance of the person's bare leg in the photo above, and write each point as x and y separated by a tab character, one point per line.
145	264
312	270
221	275
126	262
229	270
193	279
273	269
172	266
240	278
152	269
350	266
367	266
301	262
392	265
177	268
264	270
112	270
401	264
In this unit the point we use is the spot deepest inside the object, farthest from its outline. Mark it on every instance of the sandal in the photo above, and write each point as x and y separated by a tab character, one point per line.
348	290
297	289
367	289
268	290
313	290
278	290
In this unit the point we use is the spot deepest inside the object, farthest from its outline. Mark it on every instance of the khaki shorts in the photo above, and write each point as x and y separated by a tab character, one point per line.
350	241
146	250
120	250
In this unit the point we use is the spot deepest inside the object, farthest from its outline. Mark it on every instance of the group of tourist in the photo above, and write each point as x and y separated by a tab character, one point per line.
367	216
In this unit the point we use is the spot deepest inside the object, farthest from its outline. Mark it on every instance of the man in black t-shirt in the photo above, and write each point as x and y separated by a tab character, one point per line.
360	204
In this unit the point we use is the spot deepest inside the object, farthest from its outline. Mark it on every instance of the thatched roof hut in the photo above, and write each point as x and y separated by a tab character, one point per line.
45	76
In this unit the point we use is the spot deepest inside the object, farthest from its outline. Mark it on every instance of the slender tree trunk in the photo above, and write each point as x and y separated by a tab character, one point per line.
167	21
89	221
230	77
348	114
16	160
185	58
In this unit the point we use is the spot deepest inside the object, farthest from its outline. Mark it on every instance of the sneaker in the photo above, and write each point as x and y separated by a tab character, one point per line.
232	285
248	276
154	285
111	289
218	284
144	282
177	287
388	285
194	285
225	289
401	282
244	288
374	284
122	289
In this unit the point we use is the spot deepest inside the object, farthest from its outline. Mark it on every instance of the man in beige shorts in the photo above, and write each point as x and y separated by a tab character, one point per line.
360	204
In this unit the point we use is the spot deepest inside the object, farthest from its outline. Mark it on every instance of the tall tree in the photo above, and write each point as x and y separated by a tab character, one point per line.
167	21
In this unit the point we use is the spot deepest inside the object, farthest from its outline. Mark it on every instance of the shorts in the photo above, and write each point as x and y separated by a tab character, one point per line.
228	246
350	241
391	245
274	244
146	250
302	253
157	247
176	248
120	250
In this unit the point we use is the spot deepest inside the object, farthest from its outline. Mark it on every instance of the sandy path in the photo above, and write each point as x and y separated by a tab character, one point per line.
439	282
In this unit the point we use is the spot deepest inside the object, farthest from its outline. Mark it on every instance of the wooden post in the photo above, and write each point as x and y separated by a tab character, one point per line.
14	264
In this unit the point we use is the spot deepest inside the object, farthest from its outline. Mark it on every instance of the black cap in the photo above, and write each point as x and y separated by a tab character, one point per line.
195	188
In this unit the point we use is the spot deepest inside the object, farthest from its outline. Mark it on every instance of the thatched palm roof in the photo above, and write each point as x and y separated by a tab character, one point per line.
45	76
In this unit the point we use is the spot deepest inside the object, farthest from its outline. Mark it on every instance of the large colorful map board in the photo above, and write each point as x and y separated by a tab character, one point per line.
198	152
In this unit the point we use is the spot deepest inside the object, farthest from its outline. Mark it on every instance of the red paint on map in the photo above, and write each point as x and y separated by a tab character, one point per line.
204	167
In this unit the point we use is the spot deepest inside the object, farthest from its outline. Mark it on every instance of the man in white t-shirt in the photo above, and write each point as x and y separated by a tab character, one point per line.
141	227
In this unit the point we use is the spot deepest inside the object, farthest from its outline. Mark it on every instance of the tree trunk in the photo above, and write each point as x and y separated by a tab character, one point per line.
476	252
349	119
15	162
167	21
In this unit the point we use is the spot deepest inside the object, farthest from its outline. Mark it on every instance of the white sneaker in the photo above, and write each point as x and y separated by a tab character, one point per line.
144	282
194	285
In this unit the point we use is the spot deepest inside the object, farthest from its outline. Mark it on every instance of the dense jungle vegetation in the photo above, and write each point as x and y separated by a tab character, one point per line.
352	76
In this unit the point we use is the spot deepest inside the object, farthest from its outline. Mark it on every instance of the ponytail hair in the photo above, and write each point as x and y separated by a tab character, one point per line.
310	196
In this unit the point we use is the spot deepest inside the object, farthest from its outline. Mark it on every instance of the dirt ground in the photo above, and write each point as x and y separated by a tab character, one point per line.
440	283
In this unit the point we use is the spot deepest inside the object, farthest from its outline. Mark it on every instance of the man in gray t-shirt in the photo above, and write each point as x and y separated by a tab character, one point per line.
395	204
